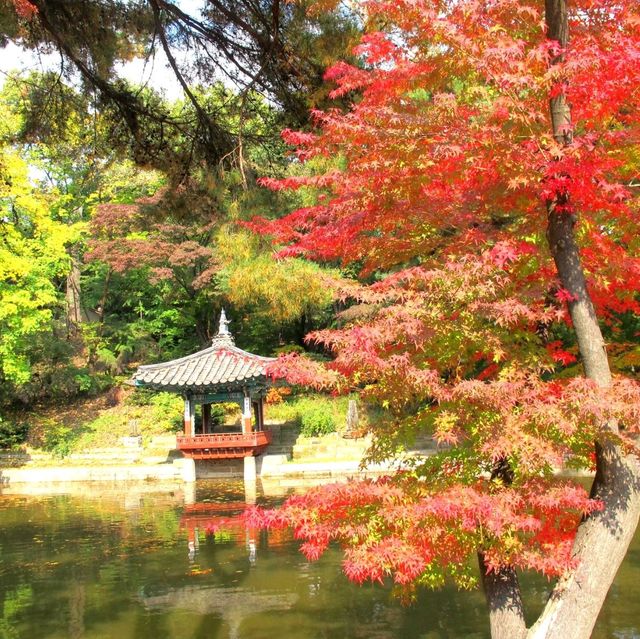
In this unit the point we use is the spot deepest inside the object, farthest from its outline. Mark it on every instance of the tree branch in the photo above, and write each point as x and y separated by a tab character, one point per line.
215	135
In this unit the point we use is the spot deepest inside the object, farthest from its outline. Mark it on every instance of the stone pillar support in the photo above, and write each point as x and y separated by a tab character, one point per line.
188	470
250	474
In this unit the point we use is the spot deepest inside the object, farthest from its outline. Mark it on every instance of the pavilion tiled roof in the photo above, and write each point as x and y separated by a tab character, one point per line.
222	365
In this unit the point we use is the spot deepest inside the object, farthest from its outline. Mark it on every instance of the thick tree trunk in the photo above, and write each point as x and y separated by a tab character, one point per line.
603	538
600	547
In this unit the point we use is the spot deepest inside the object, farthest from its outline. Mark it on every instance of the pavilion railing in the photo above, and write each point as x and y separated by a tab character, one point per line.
224	445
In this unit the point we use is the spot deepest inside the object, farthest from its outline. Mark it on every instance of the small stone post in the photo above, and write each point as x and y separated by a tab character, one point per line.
353	422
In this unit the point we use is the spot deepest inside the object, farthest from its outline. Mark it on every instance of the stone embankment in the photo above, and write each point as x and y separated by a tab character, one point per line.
290	456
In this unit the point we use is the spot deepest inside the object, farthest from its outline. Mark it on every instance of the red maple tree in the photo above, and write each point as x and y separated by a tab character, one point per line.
125	237
490	190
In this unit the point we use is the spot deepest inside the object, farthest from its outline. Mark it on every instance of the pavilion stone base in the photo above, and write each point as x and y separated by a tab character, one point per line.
219	469
245	468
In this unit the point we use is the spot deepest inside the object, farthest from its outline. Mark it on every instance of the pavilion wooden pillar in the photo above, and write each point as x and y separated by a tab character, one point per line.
206	418
259	413
246	413
189	417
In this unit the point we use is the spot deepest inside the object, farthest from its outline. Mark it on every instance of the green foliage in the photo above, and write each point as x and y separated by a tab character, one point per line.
167	411
62	169
161	415
74	151
12	433
155	413
165	408
314	414
220	411
140	397
50	181
55	375
288	349
274	301
284	289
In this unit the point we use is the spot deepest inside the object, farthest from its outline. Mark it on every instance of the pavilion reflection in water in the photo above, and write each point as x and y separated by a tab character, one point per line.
233	605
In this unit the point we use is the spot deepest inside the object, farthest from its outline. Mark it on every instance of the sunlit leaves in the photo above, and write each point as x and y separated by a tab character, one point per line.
417	533
284	289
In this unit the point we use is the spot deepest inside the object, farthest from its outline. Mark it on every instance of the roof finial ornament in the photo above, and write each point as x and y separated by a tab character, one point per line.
223	331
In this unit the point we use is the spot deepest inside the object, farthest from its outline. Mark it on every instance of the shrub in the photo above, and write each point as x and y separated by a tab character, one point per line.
316	421
59	440
313	413
12	433
167	410
140	397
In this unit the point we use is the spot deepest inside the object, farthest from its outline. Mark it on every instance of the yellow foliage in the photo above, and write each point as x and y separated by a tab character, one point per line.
287	287
32	254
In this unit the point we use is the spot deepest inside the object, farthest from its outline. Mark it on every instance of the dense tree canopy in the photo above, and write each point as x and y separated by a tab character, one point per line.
148	255
250	68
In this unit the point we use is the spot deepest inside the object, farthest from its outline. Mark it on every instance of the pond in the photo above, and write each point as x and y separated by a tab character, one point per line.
108	564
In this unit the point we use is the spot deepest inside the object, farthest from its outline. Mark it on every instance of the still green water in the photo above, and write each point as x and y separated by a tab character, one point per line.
115	565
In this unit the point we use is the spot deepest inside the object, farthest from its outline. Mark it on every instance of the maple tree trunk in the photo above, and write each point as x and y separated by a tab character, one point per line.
502	587
603	538
600	547
502	591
